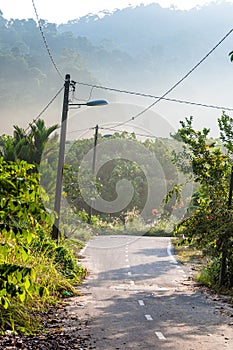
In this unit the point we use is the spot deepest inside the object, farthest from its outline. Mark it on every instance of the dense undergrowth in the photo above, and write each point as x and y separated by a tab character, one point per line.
35	272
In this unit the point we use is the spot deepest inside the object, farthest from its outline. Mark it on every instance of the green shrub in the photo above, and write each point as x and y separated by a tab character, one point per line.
209	275
34	271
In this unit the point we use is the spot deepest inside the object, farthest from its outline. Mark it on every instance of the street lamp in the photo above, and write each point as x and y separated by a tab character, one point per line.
90	103
61	156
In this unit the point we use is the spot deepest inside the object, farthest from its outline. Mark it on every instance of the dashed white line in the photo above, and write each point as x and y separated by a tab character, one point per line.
148	317
160	335
129	273
141	302
161	289
132	283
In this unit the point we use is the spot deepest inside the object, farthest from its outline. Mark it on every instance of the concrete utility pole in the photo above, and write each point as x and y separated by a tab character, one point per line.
93	167
94	151
61	157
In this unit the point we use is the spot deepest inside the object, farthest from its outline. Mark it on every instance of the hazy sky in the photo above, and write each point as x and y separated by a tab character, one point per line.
62	11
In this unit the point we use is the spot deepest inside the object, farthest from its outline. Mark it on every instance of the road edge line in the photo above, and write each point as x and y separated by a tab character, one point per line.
170	251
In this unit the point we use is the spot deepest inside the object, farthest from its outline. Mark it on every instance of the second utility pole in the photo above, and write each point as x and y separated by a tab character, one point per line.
93	167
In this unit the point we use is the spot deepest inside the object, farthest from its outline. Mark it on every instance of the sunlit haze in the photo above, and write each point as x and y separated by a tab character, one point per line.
149	52
71	9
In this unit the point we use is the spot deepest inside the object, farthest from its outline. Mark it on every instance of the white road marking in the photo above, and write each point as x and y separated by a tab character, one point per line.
160	336
169	252
128	266
120	288
148	317
161	289
127	256
82	251
131	282
127	260
141	302
129	273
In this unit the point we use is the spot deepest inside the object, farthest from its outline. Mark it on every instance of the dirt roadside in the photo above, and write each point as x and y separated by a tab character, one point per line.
65	327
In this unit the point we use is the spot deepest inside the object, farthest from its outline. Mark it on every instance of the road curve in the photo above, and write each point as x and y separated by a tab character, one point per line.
137	296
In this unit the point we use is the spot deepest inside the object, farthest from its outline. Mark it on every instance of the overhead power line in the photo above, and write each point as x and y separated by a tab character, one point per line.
141	94
158	99
47	106
129	132
45	41
90	94
115	130
79	130
179	81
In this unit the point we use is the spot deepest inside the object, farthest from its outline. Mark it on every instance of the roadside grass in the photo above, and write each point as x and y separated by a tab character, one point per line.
162	227
135	227
188	254
157	232
57	276
206	270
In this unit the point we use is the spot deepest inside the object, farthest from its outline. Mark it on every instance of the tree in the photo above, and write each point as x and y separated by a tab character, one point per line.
27	146
117	168
210	227
231	56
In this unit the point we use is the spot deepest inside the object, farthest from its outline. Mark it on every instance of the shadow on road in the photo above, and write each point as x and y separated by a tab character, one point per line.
186	321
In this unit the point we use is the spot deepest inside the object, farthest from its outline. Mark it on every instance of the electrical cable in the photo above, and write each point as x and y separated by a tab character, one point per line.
113	129
46	107
141	94
158	99
79	130
90	95
136	134
178	82
45	41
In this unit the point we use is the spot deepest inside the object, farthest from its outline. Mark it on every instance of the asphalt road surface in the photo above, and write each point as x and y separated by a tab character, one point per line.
138	297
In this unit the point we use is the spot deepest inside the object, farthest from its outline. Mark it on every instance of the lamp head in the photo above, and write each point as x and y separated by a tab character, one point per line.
96	103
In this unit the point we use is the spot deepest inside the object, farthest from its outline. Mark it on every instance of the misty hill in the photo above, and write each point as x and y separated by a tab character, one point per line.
151	40
146	48
138	30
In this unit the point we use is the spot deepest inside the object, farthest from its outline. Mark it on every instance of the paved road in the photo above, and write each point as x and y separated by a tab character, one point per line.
138	297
